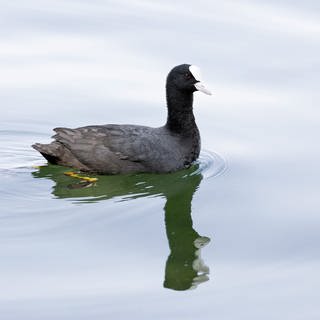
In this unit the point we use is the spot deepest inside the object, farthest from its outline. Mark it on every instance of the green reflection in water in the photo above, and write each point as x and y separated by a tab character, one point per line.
185	268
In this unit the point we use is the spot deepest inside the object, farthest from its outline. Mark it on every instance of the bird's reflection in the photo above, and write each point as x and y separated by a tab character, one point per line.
185	268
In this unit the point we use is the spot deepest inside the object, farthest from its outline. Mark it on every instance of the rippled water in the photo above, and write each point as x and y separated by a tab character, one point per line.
235	236
33	209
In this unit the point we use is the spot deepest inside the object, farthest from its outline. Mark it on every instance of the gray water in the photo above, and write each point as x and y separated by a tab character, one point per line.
234	237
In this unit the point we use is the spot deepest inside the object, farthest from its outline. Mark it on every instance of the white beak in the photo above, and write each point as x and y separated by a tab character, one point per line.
201	87
195	71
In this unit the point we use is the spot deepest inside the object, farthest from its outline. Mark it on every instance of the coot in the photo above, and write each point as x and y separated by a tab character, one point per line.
119	149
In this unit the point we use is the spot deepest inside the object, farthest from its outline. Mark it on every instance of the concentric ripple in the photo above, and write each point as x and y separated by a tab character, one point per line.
211	164
19	165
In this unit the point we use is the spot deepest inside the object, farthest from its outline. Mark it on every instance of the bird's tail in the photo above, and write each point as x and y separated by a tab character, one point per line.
51	151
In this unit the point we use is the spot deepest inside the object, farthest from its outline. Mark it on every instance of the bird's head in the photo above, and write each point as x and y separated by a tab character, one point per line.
187	78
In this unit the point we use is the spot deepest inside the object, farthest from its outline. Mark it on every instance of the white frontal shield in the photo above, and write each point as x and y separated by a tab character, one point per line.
200	86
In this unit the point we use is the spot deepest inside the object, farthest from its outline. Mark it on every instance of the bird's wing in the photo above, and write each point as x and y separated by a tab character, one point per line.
101	146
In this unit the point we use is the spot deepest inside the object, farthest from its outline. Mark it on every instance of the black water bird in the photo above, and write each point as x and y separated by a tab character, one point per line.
117	149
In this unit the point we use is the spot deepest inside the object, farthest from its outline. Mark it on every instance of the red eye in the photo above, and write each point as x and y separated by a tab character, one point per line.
187	75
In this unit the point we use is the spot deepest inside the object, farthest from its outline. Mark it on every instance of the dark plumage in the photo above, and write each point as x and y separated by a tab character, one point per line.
114	149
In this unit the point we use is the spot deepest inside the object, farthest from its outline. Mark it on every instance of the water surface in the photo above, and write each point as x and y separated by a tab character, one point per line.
235	236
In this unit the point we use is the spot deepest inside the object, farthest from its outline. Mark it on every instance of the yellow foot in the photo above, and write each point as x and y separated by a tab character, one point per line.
75	175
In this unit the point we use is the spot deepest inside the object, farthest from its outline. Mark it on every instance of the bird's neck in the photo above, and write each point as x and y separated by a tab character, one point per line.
180	112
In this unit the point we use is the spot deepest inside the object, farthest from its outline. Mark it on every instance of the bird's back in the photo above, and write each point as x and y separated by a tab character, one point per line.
113	149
